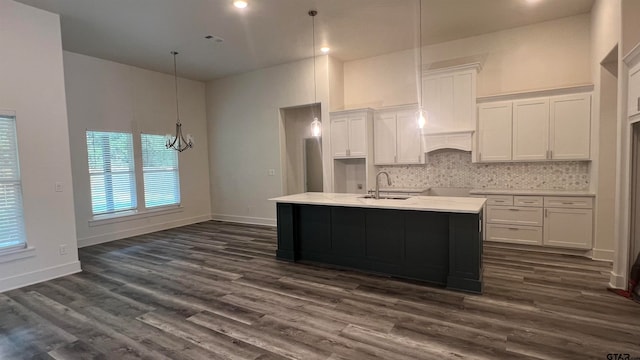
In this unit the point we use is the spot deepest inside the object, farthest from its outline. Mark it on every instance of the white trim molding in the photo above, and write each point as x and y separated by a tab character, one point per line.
103	238
604	255
38	276
244	219
17	254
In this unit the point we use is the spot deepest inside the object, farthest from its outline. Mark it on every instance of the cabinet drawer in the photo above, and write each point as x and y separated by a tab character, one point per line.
535	201
499	200
518	234
568	202
514	215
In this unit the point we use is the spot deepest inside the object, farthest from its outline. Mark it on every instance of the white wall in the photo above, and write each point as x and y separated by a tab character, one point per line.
630	25
605	34
540	56
108	96
243	113
32	84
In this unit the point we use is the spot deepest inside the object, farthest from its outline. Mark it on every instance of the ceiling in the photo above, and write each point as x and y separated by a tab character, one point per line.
270	32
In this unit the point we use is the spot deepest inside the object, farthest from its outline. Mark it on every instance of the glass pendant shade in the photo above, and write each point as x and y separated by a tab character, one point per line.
316	127
422	117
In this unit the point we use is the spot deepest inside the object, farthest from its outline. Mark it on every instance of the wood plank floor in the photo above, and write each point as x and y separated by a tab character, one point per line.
214	291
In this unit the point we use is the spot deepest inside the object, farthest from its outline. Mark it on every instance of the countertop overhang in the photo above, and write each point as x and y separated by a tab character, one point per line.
420	203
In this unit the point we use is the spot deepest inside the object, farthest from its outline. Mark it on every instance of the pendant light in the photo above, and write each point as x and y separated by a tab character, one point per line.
422	113
316	125
178	142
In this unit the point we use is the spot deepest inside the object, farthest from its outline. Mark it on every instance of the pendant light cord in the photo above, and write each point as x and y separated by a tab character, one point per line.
175	79
315	86
420	51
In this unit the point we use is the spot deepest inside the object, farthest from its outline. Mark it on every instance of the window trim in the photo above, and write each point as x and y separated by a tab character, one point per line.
131	215
23	249
142	172
134	172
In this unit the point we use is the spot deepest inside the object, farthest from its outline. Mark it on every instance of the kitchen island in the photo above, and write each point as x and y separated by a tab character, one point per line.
432	239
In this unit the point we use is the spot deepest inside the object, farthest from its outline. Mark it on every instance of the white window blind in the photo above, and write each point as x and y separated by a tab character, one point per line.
160	171
11	213
111	171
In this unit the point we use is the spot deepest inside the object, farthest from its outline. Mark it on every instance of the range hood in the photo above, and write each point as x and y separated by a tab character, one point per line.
460	140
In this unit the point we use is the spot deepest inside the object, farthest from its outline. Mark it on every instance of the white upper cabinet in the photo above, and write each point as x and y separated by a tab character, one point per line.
531	129
349	134
545	128
396	137
449	97
358	135
339	136
408	138
570	127
494	131
384	138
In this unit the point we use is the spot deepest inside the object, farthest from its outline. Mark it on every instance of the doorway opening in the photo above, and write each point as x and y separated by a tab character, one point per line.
301	153
635	194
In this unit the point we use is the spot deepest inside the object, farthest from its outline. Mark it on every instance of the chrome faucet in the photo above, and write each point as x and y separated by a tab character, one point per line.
378	182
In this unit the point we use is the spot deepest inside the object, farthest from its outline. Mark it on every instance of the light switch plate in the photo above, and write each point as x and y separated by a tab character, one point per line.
271	172
59	187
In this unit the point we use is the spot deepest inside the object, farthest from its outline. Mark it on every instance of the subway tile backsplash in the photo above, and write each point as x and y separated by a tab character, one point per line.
453	168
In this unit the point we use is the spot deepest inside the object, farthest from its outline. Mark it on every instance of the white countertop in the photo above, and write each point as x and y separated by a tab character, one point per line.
420	203
531	192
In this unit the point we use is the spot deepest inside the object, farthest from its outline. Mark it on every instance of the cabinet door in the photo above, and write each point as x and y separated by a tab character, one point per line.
494	132
408	139
530	129
431	103
384	138
568	228
358	135
634	91
339	136
464	101
570	127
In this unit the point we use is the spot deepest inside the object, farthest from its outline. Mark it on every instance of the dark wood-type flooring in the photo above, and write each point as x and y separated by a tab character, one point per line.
214	291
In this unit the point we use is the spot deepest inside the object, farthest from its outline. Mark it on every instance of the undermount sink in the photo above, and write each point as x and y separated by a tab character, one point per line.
387	197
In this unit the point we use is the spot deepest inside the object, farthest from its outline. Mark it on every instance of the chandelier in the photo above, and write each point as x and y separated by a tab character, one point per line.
178	142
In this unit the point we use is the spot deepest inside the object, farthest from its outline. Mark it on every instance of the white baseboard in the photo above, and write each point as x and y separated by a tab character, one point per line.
541	249
38	276
618	281
604	255
244	219
102	238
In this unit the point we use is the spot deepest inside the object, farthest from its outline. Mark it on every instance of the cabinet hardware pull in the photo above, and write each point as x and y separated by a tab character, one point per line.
638	103
513	229
512	209
551	154
499	200
546	155
395	158
528	202
546	212
480	154
567	203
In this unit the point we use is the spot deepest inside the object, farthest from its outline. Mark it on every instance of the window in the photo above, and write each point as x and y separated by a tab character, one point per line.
111	171
11	212
160	172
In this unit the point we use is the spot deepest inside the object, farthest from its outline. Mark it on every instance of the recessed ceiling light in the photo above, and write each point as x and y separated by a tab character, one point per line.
240	4
532	2
325	49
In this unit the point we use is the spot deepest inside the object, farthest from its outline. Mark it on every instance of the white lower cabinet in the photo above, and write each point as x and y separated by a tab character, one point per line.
554	221
568	228
517	234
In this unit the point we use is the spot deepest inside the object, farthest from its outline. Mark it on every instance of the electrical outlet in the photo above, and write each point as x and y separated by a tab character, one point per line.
59	187
63	249
271	172
359	186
